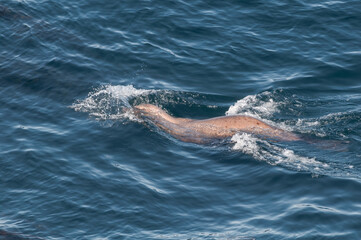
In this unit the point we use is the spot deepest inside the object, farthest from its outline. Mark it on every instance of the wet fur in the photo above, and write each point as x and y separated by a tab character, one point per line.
199	131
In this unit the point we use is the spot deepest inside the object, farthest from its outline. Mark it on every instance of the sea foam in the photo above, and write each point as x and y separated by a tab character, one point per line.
110	102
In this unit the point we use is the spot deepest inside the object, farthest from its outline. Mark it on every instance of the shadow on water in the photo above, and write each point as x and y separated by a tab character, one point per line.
9	14
325	144
5	235
28	25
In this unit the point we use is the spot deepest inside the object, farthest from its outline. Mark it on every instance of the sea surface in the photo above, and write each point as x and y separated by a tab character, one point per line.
74	164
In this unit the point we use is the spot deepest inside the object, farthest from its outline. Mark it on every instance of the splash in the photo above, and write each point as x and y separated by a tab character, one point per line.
259	106
280	156
275	155
115	102
323	135
110	102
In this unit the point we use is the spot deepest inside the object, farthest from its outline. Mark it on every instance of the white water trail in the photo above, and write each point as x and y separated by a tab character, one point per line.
275	155
318	161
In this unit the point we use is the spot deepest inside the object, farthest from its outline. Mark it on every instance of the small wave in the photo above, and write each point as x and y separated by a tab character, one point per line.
139	178
202	236
330	125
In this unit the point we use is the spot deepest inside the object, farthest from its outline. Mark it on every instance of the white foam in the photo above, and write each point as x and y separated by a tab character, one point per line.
110	102
275	155
247	144
254	106
263	106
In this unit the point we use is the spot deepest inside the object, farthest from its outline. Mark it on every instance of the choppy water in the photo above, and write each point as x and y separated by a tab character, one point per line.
75	165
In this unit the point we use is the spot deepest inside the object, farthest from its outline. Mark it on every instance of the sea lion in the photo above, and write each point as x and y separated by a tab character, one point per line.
201	131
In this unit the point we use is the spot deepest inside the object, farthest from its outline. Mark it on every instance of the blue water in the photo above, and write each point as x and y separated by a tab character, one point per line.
75	165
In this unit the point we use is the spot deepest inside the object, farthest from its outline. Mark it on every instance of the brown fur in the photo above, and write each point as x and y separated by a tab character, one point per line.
198	131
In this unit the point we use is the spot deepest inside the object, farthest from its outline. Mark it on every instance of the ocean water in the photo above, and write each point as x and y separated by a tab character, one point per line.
75	165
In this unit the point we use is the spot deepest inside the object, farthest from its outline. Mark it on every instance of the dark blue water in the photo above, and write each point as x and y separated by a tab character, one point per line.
74	165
